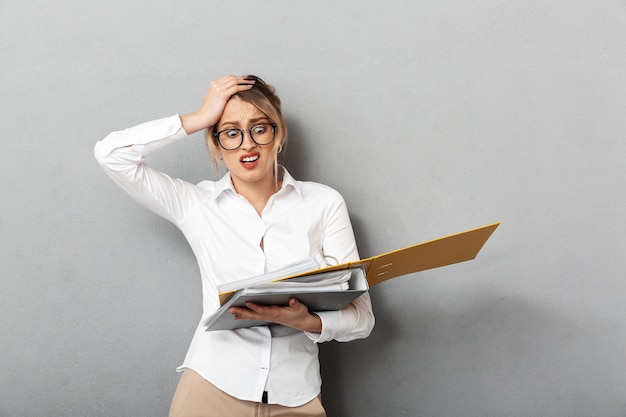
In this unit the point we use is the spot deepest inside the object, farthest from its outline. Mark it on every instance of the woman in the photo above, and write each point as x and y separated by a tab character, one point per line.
255	219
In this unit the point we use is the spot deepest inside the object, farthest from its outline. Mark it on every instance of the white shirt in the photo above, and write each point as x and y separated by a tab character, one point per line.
303	219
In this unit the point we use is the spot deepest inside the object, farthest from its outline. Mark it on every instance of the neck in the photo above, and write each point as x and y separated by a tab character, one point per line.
257	193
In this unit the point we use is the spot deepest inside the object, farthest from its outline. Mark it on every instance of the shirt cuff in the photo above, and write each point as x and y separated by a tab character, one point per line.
328	333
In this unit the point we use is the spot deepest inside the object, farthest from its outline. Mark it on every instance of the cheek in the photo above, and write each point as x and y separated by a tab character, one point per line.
272	156
229	160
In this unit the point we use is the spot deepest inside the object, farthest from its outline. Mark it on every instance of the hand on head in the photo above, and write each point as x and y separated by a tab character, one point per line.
214	101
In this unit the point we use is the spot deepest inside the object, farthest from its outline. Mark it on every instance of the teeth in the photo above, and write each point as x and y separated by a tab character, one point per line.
249	159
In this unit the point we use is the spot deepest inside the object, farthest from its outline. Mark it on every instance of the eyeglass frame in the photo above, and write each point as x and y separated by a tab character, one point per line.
216	135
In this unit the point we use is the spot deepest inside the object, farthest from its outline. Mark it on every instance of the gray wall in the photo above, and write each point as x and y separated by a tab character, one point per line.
430	117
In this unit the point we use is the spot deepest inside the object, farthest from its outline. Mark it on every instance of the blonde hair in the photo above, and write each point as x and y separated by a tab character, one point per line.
263	97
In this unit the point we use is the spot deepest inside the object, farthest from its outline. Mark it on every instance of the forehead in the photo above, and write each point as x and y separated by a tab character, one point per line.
239	112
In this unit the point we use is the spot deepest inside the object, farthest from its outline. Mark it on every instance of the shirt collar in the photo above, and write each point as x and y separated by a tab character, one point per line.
225	184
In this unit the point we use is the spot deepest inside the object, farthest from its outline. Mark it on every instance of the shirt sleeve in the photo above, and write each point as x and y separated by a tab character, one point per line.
356	320
121	155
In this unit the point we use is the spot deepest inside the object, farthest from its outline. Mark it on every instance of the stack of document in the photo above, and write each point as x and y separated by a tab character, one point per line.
331	290
295	268
336	281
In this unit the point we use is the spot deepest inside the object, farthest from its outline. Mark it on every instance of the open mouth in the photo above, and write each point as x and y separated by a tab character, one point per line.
249	159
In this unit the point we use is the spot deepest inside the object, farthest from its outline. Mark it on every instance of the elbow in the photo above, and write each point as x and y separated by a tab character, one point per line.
364	321
368	322
100	152
365	316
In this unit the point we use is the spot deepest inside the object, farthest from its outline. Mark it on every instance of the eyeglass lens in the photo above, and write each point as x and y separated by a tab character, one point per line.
261	134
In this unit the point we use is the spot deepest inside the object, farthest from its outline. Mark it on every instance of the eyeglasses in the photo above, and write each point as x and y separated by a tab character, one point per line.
232	138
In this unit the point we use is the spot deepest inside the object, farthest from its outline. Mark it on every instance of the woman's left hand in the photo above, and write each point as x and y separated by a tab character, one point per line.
295	315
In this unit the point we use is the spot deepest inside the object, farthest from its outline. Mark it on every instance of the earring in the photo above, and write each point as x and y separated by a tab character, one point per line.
280	148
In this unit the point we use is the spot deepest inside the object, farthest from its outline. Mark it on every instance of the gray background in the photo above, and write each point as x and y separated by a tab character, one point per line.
430	117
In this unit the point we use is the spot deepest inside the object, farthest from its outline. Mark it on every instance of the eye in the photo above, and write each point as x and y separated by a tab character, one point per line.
231	133
259	129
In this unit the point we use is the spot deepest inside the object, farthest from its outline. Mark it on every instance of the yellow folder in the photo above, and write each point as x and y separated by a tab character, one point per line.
446	250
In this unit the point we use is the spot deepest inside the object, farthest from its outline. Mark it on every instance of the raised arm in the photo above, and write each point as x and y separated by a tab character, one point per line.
121	154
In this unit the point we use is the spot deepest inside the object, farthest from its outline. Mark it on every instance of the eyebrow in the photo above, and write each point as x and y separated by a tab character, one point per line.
251	121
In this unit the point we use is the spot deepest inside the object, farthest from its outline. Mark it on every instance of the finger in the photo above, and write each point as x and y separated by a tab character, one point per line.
232	84
224	93
253	307
235	78
238	87
256	311
243	314
250	312
245	81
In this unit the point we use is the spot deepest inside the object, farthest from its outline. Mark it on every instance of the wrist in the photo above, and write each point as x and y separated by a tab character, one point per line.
312	324
193	122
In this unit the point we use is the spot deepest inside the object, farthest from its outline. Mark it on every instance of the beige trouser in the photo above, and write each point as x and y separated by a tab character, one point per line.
197	397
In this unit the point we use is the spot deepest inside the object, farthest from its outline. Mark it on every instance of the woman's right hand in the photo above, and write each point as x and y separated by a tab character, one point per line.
214	102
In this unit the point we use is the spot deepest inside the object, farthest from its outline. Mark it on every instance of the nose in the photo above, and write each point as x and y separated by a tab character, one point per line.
247	140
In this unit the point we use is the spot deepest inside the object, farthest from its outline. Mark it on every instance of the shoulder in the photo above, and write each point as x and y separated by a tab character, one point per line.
208	187
311	191
315	191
